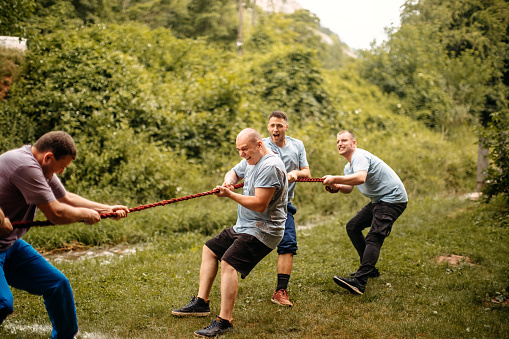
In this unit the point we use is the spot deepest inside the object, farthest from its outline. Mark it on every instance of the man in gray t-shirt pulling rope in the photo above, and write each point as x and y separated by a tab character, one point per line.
28	182
377	181
259	228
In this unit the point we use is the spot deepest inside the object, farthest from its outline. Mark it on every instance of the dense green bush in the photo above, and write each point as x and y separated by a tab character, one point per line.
497	140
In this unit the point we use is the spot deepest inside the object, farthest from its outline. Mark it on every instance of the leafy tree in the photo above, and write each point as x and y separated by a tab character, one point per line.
172	14
90	10
475	29
461	49
12	14
216	19
291	80
299	28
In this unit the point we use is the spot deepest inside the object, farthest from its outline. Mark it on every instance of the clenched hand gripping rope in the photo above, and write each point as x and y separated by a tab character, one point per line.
143	207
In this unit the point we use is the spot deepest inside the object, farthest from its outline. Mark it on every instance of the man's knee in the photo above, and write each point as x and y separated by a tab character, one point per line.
60	287
207	253
226	268
352	227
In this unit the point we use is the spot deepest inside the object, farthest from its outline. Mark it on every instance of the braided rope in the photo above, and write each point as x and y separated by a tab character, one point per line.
144	207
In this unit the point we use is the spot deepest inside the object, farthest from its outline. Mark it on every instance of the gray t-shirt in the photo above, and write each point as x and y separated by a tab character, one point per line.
293	156
268	226
382	183
23	187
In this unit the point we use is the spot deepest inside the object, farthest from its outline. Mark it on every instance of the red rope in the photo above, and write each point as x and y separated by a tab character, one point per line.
144	207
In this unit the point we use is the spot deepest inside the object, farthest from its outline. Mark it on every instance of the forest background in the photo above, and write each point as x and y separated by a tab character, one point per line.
154	93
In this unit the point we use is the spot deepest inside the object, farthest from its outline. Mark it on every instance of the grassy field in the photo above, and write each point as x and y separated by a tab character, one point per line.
131	296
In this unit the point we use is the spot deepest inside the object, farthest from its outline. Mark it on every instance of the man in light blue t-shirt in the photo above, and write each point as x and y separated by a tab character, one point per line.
377	181
259	228
293	154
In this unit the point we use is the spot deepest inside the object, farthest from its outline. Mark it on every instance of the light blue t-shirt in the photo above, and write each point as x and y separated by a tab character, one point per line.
382	183
293	156
269	226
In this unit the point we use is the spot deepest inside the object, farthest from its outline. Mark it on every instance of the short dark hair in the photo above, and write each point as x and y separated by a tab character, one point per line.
279	114
57	142
352	136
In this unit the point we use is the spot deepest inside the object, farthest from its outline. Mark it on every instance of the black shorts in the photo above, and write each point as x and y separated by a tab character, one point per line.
242	251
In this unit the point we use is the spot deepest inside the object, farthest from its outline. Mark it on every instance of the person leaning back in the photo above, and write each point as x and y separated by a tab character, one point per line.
377	181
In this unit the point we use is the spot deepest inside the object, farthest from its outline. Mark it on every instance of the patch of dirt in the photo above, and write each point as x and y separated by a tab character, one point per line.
76	251
453	259
5	84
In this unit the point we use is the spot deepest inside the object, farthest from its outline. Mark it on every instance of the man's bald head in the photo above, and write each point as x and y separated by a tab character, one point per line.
251	135
250	146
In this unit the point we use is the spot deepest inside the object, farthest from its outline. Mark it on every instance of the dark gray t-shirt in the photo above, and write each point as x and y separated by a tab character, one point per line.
23	187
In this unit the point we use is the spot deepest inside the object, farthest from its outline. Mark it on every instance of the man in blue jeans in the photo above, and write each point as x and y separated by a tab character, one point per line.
377	181
28	182
293	154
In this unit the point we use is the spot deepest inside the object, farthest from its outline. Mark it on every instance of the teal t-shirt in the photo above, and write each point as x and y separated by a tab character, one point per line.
382	183
268	226
293	156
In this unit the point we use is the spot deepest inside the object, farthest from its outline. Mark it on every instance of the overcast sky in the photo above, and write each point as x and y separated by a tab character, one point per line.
357	22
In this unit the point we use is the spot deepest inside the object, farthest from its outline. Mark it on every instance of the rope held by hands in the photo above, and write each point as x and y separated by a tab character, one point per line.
144	207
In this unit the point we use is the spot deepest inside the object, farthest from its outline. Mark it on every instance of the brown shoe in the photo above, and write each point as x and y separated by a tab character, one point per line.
281	297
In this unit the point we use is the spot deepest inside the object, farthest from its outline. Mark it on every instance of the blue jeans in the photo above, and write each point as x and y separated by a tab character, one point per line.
25	269
289	242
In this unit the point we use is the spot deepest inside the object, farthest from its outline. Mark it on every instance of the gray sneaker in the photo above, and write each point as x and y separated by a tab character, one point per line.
197	307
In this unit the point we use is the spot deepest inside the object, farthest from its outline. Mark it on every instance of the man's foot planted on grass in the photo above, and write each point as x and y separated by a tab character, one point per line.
218	327
351	284
197	307
280	297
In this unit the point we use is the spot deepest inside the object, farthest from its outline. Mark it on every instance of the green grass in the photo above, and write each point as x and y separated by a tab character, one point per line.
132	296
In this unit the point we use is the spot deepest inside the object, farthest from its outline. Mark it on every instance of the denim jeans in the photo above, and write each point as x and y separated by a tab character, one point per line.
22	267
289	242
379	217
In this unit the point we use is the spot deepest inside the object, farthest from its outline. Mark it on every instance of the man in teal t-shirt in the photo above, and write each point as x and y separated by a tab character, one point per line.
377	181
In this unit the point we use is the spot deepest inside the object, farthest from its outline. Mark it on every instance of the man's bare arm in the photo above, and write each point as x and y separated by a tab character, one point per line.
258	202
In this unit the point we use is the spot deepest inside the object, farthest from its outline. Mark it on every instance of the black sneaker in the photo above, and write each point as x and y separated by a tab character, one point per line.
374	274
197	307
218	327
351	284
